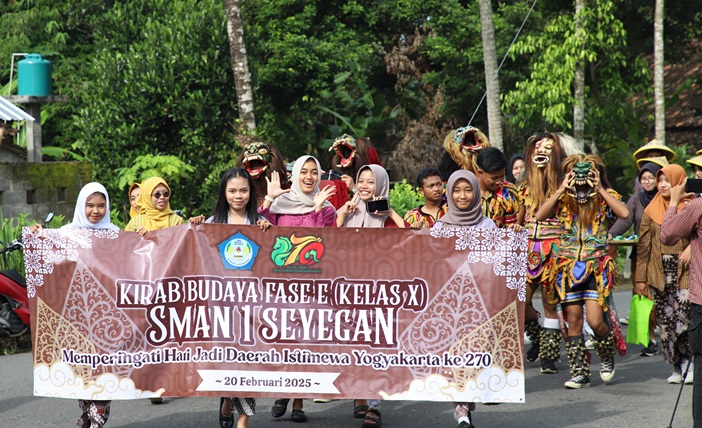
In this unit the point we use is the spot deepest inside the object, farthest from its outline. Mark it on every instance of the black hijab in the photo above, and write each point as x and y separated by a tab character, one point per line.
646	196
508	172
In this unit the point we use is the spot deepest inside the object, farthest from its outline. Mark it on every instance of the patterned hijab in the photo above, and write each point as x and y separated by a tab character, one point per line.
296	201
659	205
80	220
361	217
154	218
471	216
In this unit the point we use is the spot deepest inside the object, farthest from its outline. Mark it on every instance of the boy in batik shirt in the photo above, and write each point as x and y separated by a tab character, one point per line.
500	199
431	186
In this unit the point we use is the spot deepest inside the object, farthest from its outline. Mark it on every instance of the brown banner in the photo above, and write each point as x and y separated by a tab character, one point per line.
216	310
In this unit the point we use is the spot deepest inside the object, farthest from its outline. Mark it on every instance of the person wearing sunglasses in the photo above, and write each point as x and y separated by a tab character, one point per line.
155	209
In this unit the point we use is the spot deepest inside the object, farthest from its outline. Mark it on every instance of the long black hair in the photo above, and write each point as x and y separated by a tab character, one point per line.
221	209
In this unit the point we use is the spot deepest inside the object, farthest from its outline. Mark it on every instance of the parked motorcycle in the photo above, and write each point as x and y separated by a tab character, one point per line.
14	302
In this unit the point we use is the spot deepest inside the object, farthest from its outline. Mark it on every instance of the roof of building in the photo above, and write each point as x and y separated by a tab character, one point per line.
9	111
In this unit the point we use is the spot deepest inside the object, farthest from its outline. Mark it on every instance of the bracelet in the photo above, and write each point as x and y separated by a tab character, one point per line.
269	199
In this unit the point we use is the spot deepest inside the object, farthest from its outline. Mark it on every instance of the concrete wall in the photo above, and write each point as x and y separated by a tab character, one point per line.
39	188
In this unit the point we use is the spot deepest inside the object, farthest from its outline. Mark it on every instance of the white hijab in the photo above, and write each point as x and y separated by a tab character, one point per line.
296	201
80	220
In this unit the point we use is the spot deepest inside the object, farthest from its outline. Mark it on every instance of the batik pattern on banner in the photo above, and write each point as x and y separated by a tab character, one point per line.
212	310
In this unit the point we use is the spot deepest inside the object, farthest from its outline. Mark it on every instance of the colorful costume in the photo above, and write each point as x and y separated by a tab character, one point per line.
416	215
543	155
585	271
502	206
350	154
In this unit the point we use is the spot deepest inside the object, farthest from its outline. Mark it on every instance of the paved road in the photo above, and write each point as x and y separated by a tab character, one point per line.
638	397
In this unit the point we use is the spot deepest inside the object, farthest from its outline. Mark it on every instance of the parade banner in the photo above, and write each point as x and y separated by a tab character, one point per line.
225	310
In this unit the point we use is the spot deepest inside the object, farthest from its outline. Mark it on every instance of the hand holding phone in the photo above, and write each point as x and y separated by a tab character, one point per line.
693	185
379	205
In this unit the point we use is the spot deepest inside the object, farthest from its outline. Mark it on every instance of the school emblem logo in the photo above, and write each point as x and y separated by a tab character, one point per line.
238	252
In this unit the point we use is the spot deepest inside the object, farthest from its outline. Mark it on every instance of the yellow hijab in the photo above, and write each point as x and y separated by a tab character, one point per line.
154	218
132	212
659	205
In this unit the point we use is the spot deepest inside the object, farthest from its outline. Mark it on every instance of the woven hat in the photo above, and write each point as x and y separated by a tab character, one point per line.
699	152
659	160
697	160
654	145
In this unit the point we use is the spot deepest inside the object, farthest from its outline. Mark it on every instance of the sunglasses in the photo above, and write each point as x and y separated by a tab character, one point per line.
158	195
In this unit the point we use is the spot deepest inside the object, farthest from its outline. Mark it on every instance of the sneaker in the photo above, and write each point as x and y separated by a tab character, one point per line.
676	377
590	344
465	424
690	376
579	381
607	370
650	350
322	400
624	321
548	366
532	353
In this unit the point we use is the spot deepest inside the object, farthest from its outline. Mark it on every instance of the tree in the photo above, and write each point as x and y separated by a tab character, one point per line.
579	80
240	63
492	82
659	62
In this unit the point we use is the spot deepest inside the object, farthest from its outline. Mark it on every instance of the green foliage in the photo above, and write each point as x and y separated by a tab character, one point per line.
403	197
11	229
161	95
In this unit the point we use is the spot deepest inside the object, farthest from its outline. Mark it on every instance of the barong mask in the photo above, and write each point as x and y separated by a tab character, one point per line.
542	152
462	147
257	157
345	149
581	186
469	140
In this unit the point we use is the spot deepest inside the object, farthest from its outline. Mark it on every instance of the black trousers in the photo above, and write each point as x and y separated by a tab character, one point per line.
695	337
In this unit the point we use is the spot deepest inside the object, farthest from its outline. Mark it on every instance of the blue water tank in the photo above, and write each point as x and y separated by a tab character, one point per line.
34	76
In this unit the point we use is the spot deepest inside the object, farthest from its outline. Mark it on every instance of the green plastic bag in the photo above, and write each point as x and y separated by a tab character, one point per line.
639	313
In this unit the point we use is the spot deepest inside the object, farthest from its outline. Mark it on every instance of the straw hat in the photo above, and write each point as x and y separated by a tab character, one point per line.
699	152
654	145
697	160
660	160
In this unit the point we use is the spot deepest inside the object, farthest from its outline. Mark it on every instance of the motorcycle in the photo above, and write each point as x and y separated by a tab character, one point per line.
14	302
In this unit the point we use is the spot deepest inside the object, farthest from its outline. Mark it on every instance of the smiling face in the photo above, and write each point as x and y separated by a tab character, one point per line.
366	185
95	207
490	181
133	196
462	194
664	186
648	181
238	193
160	197
309	176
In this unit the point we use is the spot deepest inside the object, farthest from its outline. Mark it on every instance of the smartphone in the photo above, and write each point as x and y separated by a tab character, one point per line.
694	185
380	205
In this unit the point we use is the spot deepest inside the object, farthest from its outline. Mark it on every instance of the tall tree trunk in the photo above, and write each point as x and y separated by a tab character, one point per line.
658	64
579	85
492	82
240	63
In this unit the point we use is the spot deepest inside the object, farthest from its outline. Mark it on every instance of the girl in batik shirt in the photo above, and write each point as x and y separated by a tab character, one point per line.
585	273
665	269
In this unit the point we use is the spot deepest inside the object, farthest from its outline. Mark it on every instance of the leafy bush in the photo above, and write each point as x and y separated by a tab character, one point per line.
11	229
404	197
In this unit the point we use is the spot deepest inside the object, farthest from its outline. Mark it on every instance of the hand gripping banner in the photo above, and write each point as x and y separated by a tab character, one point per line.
215	310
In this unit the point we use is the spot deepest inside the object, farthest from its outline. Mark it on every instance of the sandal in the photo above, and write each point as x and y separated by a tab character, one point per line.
280	407
225	421
371	421
359	412
298	415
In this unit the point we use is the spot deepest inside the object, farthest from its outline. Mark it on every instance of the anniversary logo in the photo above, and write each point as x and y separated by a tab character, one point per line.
305	312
